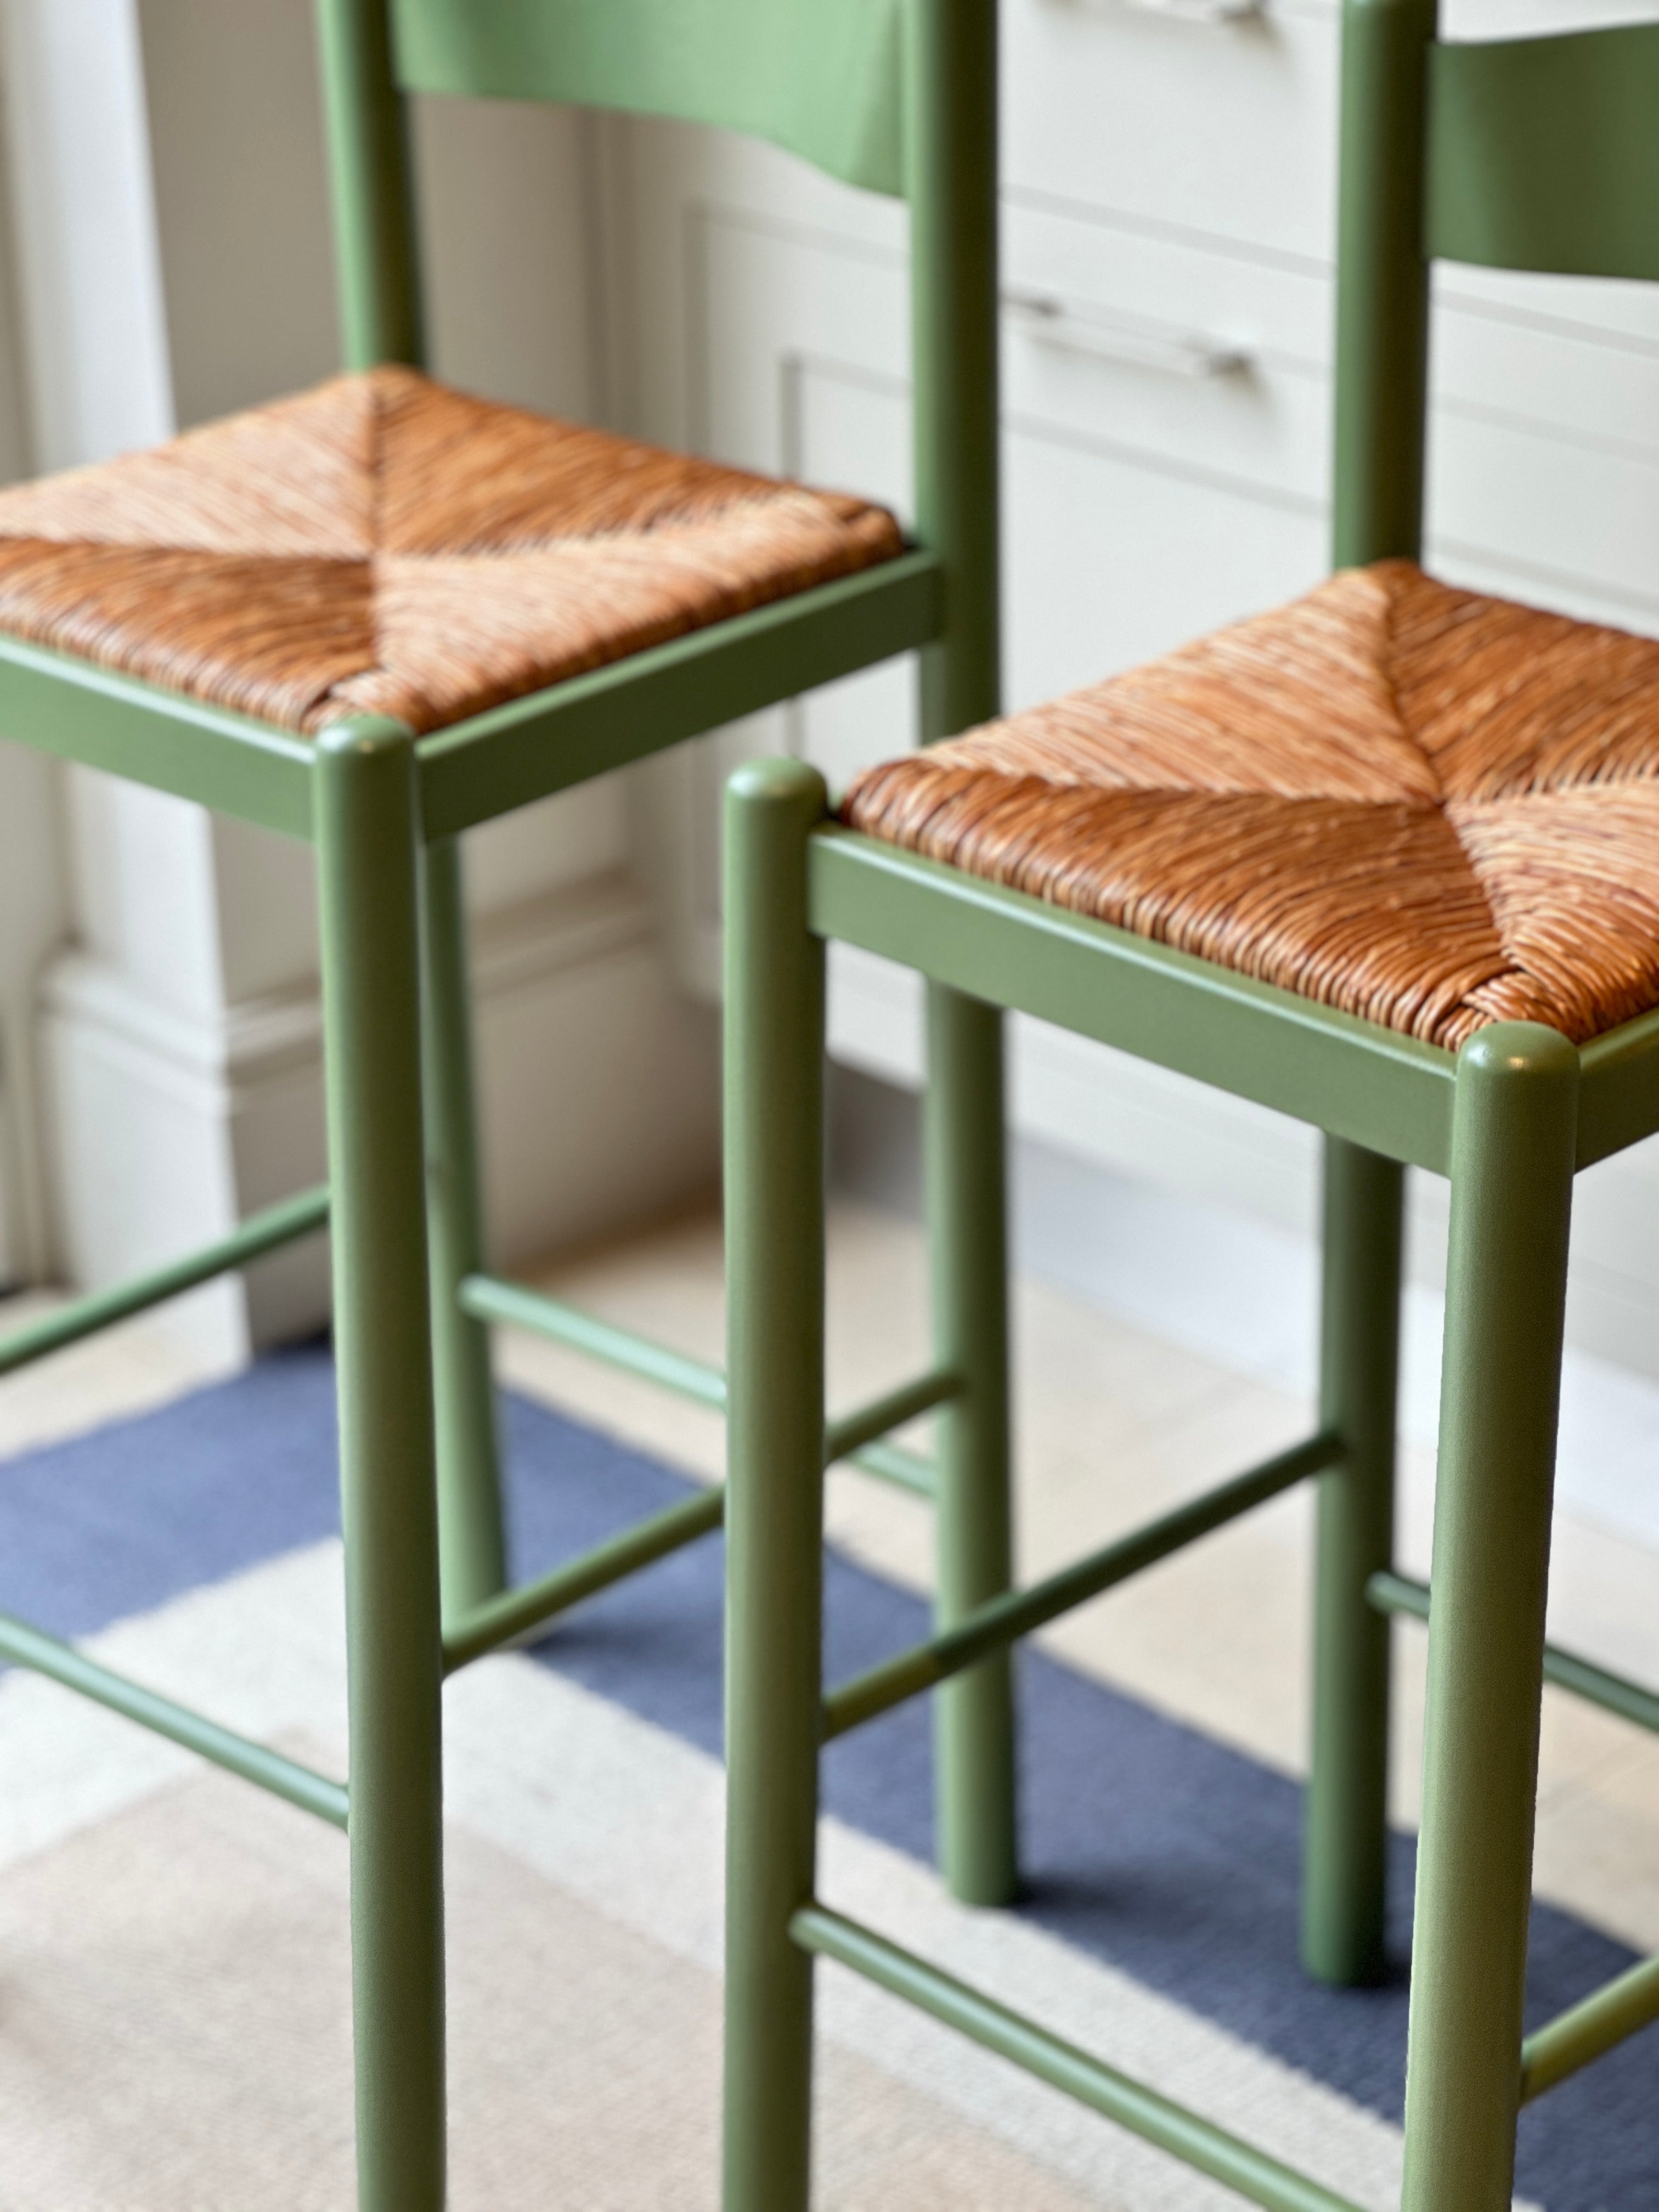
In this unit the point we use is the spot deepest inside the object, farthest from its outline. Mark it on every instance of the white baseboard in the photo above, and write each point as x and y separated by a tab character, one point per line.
598	1099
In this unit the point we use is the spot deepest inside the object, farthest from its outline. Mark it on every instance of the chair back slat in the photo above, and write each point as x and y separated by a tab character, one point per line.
821	77
1543	153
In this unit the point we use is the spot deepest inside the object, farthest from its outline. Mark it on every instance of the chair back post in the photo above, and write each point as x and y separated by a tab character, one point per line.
376	253
1382	282
951	153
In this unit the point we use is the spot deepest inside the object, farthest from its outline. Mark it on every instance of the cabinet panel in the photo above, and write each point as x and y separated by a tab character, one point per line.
1224	127
1216	365
1559	516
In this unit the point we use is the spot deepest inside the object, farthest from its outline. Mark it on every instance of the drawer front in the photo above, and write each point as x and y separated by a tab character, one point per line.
1224	127
1214	363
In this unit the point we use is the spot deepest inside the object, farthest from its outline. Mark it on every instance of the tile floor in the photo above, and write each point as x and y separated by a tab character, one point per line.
1113	1425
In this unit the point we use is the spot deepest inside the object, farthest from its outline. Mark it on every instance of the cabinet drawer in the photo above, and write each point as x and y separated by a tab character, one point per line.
1212	362
1226	127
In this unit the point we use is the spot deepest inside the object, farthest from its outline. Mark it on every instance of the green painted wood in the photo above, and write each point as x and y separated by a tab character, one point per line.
1618	1089
1343	1883
515	1613
367	848
894	1463
775	1014
848	1434
1565	1670
492	1299
472	1543
1512	1191
821	80
1371	1085
1588	2030
1542	153
976	1814
372	194
555	738
1145	2111
27	1646
267	1232
1381	285
80	712
511	1616
1001	1620
951	80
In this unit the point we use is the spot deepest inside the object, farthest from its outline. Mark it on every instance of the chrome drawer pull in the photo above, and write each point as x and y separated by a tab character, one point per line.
1199	11
1132	345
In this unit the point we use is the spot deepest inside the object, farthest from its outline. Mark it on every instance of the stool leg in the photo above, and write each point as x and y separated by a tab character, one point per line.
472	1550
1512	1158
1344	1881
366	831
967	1232
774	1495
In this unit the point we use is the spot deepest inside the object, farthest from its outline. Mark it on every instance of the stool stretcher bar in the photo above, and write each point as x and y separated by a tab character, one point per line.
847	1437
854	1437
857	1436
486	1297
1003	1619
1186	2134
516	1612
1391	1593
1589	2029
284	1777
513	1614
260	1233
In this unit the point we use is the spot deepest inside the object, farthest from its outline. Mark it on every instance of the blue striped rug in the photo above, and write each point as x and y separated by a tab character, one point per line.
1147	1846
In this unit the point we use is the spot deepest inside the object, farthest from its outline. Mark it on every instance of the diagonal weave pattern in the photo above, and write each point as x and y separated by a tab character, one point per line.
385	545
1429	808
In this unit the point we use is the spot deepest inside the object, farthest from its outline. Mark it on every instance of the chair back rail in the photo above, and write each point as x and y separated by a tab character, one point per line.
821	79
1535	153
1542	153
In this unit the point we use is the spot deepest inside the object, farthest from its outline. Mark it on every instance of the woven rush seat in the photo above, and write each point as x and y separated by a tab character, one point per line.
1427	807
385	545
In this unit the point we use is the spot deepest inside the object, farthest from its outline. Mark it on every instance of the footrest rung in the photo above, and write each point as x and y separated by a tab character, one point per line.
260	1233
284	1778
1002	1620
502	1619
1589	2029
849	1437
1392	1593
487	1297
856	1436
1158	2119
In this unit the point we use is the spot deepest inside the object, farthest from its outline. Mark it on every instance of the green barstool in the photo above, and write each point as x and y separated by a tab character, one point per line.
382	612
1384	861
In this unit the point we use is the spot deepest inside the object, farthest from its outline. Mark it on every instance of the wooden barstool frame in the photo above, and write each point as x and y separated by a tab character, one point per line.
1470	152
891	94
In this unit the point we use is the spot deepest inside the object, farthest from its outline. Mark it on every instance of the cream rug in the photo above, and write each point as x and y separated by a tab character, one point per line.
173	2025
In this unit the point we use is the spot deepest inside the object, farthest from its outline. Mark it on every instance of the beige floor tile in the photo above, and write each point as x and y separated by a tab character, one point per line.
1598	1846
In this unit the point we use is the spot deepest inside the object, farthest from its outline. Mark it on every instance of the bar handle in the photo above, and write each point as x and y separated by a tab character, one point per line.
1199	11
1050	322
